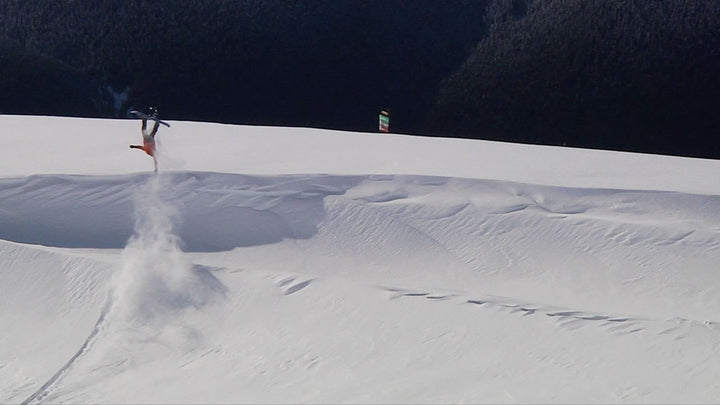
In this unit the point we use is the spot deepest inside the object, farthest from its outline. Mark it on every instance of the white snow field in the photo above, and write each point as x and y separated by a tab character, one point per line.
288	265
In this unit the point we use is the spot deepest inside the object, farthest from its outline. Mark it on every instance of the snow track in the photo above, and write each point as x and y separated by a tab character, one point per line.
50	299
42	392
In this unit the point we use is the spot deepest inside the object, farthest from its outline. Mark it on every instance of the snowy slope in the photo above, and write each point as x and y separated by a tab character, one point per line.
275	265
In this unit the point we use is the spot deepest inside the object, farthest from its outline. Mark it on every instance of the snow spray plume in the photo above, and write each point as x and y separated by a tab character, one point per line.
156	279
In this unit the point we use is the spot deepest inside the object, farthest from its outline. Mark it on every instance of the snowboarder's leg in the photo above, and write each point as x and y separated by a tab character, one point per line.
148	147
155	129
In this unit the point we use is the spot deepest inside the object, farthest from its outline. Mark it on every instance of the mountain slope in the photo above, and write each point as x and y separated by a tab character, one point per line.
289	285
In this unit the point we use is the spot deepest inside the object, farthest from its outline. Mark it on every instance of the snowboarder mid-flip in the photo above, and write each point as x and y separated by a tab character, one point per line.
149	137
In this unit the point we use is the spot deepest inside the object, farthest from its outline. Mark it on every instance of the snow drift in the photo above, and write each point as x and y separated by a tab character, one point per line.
414	271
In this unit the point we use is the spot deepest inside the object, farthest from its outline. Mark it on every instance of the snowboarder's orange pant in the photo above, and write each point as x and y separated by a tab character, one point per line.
148	147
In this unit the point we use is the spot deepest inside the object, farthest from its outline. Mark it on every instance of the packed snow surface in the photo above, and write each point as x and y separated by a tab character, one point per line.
290	265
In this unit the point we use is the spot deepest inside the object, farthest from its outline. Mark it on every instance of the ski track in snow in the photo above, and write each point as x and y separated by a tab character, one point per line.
473	239
42	392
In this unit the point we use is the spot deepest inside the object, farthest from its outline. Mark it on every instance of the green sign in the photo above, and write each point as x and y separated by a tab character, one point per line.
384	122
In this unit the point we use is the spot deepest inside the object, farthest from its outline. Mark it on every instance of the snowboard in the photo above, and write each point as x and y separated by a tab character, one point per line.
139	114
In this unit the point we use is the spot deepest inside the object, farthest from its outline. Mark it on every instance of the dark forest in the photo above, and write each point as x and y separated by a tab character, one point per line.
638	75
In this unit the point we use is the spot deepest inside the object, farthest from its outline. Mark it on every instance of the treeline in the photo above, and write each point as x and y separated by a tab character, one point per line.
323	63
639	75
36	84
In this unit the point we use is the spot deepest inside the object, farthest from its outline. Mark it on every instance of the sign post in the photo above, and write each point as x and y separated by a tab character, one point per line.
384	121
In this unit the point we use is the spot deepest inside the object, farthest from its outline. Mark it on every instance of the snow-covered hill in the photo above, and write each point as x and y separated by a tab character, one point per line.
275	265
